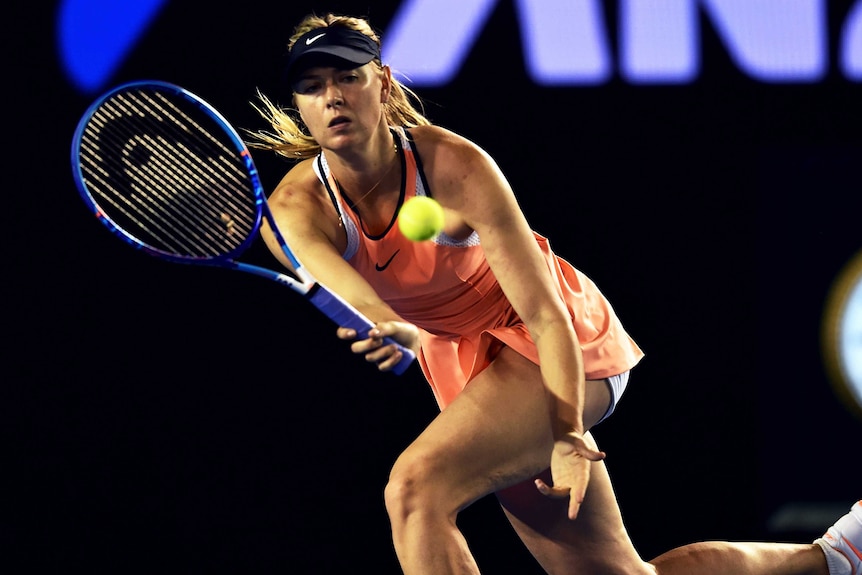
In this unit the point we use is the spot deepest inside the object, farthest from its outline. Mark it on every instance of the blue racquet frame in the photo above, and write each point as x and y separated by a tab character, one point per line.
136	181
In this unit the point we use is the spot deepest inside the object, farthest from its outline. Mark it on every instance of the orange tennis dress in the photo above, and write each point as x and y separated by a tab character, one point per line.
446	288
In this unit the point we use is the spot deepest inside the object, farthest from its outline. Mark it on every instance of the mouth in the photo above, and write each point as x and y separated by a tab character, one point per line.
338	121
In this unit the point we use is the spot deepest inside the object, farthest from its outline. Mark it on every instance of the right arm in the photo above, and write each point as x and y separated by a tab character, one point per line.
310	226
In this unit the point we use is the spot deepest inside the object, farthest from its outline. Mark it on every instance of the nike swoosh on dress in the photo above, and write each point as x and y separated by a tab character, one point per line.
380	268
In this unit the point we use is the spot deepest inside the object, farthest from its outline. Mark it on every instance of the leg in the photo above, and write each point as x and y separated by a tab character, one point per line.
597	541
494	435
718	557
838	552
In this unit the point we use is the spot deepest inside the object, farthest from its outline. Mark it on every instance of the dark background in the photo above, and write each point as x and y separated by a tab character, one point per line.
169	419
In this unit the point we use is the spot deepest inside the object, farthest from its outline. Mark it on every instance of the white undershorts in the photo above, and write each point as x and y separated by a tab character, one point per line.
617	385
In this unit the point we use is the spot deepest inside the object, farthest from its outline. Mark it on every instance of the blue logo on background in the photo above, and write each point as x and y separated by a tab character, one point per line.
95	36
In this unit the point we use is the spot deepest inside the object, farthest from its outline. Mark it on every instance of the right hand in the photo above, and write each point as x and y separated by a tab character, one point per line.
374	348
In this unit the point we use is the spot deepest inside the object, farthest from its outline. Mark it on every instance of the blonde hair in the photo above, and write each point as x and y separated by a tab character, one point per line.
290	138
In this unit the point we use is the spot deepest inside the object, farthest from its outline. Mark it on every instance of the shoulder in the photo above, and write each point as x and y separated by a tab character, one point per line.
301	204
465	179
440	140
299	182
299	194
443	150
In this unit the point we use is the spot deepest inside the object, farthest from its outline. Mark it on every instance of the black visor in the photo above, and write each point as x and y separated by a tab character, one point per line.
330	46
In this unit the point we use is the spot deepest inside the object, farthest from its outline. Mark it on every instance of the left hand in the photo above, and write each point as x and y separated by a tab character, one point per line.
570	468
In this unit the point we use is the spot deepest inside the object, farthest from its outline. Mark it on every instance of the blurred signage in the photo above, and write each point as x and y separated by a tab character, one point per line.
563	42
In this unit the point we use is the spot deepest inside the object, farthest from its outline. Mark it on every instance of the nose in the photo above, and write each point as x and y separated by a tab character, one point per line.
334	98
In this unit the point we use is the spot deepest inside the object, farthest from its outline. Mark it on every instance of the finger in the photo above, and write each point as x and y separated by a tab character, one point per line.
391	361
591	454
366	346
542	487
378	353
553	492
346	333
383	329
574	508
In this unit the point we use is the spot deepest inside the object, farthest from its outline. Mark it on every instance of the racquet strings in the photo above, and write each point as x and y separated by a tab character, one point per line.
166	173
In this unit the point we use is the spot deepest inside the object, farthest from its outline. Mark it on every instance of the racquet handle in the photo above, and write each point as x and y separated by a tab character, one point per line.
345	315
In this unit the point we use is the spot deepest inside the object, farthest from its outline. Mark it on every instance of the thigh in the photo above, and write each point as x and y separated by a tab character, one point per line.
495	434
596	542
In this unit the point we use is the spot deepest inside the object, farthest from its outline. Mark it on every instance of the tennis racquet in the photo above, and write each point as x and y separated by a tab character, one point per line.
165	172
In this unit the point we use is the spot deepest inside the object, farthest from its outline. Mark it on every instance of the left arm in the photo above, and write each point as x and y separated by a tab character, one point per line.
474	188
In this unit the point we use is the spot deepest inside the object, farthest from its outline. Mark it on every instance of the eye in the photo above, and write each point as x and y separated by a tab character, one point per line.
306	87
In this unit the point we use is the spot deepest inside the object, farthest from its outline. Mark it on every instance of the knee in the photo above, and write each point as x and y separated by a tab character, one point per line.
413	488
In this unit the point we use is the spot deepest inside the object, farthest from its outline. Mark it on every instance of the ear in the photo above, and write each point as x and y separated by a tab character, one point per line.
385	84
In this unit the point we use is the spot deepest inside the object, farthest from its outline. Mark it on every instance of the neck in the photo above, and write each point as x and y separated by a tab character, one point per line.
369	174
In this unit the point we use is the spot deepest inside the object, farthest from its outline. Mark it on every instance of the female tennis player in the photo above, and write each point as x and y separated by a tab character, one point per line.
522	351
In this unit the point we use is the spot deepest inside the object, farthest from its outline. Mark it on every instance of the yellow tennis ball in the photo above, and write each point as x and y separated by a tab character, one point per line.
420	219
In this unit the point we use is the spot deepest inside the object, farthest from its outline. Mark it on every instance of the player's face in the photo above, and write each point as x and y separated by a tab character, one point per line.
340	107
